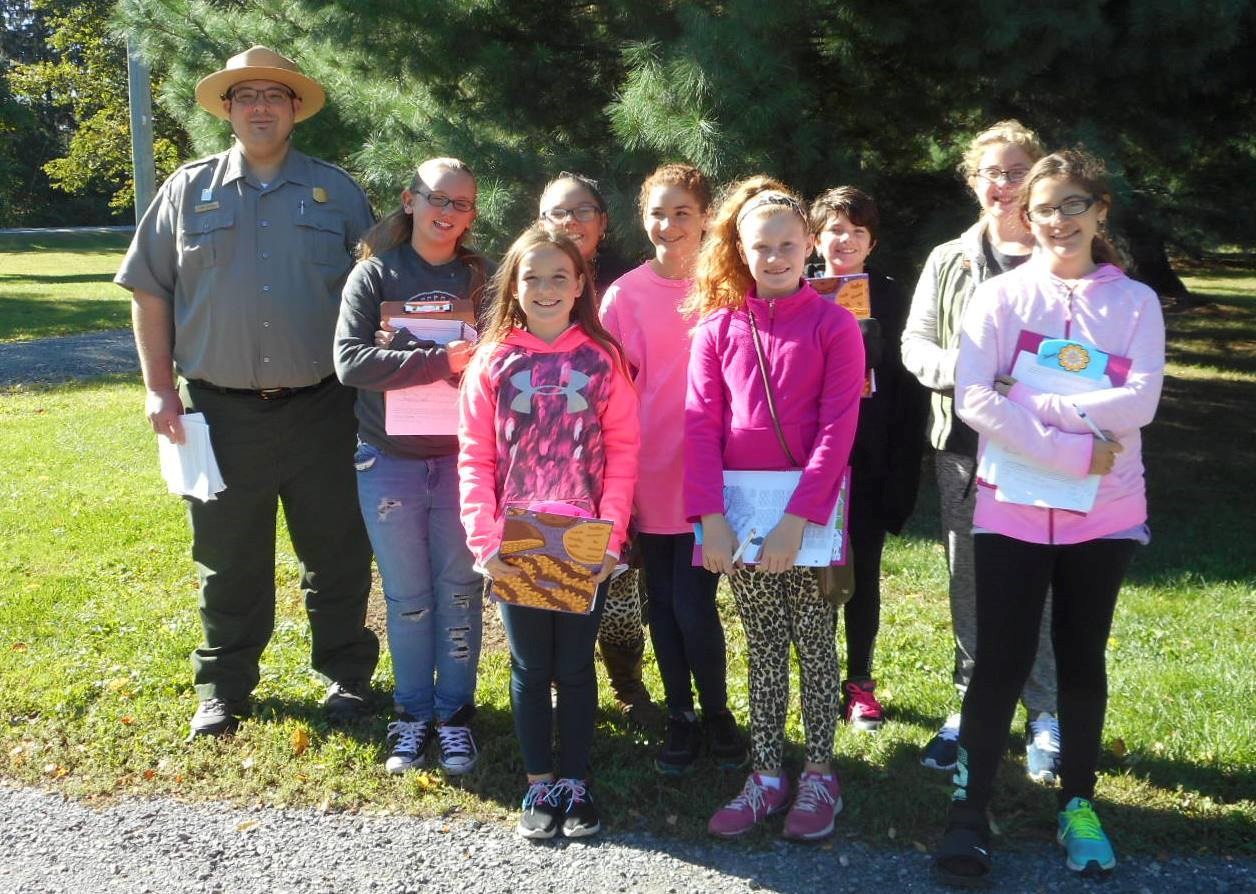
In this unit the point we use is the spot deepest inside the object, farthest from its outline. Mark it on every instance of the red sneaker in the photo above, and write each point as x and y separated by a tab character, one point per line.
755	803
818	801
860	707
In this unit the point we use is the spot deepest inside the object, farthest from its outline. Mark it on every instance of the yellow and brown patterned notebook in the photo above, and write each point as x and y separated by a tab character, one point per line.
560	557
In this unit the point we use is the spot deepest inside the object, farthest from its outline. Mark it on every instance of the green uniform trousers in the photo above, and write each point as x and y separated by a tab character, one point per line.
298	449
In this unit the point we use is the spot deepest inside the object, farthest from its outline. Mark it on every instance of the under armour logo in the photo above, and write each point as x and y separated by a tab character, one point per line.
523	400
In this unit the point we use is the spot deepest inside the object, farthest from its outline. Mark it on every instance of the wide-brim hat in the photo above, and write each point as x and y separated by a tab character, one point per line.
259	64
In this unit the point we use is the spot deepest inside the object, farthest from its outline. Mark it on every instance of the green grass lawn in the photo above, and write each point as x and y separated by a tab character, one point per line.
98	617
60	284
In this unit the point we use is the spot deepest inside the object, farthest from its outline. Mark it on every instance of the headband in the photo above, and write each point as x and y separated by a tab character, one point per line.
770	197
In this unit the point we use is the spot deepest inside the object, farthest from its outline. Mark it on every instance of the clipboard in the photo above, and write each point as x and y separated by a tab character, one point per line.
429	308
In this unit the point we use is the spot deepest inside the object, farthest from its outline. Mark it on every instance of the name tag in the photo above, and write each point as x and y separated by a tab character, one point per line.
320	195
205	206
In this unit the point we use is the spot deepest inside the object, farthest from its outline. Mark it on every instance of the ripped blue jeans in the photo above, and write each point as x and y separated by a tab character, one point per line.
433	596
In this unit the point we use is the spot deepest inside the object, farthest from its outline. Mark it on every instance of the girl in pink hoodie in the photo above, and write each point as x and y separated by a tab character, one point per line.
750	289
1071	292
548	414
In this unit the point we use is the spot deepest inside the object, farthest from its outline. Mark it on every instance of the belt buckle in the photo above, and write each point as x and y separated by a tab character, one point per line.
273	393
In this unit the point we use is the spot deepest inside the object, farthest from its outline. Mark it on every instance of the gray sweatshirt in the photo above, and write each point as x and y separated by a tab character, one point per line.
398	274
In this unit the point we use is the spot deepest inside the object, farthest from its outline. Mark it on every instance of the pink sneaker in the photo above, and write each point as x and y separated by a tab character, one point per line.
756	802
817	802
860	707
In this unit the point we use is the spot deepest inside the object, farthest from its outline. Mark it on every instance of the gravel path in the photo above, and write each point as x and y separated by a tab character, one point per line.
67	357
49	844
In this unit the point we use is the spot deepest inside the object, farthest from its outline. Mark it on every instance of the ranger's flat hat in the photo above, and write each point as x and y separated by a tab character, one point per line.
259	64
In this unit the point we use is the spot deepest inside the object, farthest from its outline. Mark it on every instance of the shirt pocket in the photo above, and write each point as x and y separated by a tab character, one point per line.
205	239
323	238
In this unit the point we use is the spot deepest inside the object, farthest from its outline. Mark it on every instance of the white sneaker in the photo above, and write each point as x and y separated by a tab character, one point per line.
1042	748
408	739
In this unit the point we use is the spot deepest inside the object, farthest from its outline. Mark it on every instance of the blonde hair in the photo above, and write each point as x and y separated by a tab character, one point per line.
398	227
723	278
505	313
1011	132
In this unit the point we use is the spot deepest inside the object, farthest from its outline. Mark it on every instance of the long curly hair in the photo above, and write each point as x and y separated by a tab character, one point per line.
723	278
505	314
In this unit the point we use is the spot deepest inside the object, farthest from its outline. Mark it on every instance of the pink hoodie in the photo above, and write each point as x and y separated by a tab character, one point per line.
815	358
545	422
1110	311
641	309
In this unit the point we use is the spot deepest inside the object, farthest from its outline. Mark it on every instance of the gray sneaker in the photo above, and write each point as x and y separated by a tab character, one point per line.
217	717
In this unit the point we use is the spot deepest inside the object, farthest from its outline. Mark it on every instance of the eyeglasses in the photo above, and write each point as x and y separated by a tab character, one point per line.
271	96
438	201
1068	208
583	213
994	175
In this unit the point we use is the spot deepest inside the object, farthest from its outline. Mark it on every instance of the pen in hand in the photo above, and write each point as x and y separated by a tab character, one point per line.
1094	429
741	547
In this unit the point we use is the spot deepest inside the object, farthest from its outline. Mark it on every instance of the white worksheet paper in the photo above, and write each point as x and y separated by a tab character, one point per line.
190	469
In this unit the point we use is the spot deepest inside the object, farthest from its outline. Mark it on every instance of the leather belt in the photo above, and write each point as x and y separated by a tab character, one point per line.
261	393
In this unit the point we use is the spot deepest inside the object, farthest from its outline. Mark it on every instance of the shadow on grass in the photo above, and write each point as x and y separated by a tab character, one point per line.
71	243
55	279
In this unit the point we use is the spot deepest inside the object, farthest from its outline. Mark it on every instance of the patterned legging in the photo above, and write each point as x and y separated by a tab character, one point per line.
623	617
777	610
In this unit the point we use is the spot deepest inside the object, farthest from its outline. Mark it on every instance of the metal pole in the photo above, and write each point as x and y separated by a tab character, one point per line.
140	94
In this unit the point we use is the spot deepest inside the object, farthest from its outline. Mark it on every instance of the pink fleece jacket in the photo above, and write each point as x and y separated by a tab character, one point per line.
641	309
545	422
1110	311
815	358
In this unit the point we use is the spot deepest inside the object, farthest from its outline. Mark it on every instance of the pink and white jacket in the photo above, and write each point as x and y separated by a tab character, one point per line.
815	358
545	422
1110	311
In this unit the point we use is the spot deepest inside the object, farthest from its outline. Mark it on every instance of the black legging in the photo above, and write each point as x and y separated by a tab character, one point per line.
1012	581
862	614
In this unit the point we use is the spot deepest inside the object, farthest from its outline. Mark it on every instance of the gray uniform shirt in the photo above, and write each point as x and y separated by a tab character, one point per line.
398	274
253	272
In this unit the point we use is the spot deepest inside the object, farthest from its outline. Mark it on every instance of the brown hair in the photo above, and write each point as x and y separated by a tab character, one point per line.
397	228
505	313
686	176
1008	131
722	278
1088	172
856	204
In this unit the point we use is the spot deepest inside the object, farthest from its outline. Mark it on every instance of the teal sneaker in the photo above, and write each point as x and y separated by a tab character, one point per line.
1088	848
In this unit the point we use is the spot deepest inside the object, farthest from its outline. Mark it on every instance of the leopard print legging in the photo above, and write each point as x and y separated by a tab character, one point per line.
623	616
777	610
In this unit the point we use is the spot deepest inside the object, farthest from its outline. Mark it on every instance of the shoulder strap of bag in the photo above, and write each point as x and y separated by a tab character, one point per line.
767	387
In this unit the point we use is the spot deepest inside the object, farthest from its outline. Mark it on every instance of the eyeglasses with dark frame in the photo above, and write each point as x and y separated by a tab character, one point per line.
1070	207
439	201
584	213
271	96
994	175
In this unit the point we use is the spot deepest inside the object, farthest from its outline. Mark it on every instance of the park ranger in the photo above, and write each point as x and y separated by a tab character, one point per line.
235	272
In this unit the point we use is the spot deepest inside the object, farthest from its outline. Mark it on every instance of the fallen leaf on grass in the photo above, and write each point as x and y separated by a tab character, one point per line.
126	719
426	781
300	740
671	819
1118	747
920	847
247	826
18	647
247	763
150	773
56	771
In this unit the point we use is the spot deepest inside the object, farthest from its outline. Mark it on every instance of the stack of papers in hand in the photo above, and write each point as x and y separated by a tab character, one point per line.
190	468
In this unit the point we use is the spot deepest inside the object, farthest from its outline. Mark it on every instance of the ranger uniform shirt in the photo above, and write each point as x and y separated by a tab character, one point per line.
253	271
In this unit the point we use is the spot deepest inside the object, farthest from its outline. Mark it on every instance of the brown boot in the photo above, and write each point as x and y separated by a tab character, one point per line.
623	666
